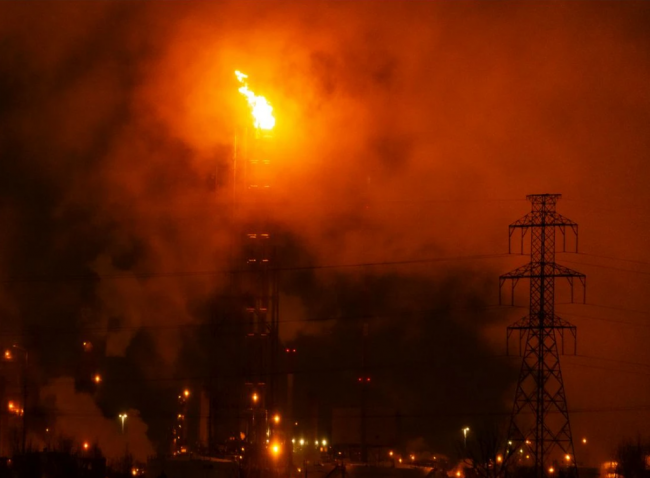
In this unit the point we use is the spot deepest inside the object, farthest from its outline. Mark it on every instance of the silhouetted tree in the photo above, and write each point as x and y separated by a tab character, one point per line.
632	457
486	453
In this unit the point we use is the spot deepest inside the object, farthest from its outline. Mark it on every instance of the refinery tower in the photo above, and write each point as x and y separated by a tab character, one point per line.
249	419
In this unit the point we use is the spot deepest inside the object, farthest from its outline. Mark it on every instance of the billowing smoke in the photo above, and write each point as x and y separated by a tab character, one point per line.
405	130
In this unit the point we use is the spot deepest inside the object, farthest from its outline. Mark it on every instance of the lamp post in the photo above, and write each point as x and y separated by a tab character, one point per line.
123	418
465	430
8	356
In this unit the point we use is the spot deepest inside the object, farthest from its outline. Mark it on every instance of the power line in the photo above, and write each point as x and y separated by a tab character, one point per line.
77	330
621	309
72	329
600	266
609	209
410	365
217	272
171	414
609	369
626	362
625	322
612	258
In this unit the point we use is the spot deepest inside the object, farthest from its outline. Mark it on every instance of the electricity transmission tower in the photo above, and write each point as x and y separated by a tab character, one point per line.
540	418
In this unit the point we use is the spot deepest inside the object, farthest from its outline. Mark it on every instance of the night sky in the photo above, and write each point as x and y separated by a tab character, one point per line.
408	136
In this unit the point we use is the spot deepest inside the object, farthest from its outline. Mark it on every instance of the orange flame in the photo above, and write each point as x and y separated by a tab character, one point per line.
261	109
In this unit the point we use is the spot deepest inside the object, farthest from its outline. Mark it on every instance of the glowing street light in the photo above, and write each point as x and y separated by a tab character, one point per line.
123	419
275	450
186	393
465	430
9	356
276	418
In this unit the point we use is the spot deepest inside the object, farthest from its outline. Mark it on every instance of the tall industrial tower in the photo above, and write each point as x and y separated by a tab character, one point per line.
256	285
540	417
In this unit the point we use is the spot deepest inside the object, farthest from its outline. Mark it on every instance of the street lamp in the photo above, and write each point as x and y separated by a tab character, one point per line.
465	430
275	450
9	356
123	418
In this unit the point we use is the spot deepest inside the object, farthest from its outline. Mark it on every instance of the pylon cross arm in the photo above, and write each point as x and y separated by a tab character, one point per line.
562	271
560	220
534	219
560	323
533	270
519	272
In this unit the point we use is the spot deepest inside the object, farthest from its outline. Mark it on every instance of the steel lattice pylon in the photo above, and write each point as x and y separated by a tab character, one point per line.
540	417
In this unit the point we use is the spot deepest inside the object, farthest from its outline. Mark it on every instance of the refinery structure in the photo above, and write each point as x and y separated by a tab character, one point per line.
240	419
256	436
324	239
255	283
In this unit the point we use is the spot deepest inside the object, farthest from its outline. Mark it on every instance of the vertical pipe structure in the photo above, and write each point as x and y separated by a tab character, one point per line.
3	416
24	393
25	370
540	389
365	382
256	283
289	423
